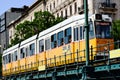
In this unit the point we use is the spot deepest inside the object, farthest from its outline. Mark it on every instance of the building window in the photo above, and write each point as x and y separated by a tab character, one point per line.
57	14
75	5
83	2
60	38
65	13
54	4
32	49
53	41
70	10
108	2
61	13
50	7
47	8
68	35
41	45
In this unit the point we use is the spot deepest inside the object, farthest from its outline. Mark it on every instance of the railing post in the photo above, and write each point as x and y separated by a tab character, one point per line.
54	72
108	53
77	57
65	65
55	61
92	55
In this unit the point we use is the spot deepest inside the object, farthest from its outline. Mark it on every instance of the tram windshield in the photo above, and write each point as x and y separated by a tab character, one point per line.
102	29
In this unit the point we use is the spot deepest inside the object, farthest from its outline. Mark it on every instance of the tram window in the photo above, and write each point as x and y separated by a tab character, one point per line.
53	41
26	51
76	34
91	30
9	58
81	32
15	56
22	53
47	44
60	38
67	35
41	45
4	61
103	29
32	49
12	57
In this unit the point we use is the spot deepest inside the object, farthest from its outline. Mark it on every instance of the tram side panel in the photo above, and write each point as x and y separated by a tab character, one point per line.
41	61
60	55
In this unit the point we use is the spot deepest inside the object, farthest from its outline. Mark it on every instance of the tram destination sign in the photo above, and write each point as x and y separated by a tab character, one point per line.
102	23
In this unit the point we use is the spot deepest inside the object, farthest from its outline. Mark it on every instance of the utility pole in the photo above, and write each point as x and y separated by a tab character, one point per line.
86	31
85	68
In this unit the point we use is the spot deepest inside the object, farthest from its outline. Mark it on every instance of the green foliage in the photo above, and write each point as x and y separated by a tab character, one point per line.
116	30
42	21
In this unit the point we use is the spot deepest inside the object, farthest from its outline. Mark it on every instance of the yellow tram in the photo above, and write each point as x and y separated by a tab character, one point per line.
61	44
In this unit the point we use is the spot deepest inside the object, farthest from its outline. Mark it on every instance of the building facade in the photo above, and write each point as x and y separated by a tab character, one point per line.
5	19
67	8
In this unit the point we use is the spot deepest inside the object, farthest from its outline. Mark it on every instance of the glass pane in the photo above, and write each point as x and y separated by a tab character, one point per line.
67	35
75	34
32	49
91	30
103	30
60	38
47	44
81	32
41	45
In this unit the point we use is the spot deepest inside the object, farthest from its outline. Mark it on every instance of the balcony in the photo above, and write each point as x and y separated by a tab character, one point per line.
81	9
107	8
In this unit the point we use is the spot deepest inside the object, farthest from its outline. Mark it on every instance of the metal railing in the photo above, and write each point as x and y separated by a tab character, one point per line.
72	59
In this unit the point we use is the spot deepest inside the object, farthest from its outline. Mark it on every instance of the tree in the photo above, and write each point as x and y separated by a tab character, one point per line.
42	21
116	30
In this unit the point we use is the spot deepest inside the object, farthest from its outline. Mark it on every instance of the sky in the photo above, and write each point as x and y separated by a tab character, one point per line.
7	4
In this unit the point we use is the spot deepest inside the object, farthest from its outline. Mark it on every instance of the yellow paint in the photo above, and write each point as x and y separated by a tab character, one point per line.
41	68
115	53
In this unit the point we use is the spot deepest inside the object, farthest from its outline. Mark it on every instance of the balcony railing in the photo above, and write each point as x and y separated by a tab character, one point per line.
111	5
108	8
